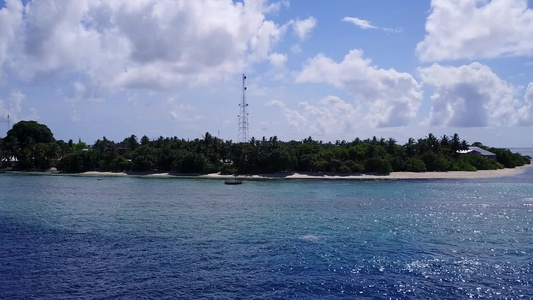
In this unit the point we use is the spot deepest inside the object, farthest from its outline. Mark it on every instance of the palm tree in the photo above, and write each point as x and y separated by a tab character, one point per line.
456	143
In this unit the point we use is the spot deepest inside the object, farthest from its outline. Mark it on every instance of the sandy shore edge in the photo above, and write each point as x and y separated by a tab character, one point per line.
290	175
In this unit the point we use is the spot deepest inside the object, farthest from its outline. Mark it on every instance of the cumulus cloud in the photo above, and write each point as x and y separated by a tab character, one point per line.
469	96
302	28
12	106
330	116
468	29
10	20
393	98
525	113
276	6
294	118
277	59
262	43
364	24
137	44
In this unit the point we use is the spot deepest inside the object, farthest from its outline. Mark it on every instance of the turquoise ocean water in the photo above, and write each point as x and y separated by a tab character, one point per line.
68	237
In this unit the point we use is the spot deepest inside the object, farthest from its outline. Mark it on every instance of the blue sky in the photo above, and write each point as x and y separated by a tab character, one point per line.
333	71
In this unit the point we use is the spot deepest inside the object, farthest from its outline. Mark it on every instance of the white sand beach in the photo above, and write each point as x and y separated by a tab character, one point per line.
290	175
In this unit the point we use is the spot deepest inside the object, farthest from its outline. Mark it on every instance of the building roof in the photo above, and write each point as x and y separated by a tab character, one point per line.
481	151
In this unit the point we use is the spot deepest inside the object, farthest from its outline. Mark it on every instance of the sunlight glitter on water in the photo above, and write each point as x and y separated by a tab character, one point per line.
129	237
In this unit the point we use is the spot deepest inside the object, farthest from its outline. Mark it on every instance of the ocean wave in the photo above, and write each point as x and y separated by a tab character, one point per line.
310	238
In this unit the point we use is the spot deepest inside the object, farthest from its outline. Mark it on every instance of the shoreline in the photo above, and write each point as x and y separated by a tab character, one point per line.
329	176
303	175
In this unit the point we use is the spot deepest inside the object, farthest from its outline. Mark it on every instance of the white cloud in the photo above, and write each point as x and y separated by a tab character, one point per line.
364	24
330	116
393	30
469	96
294	118
529	94
468	29
149	44
302	28
276	6
185	113
392	97
10	19
12	106
277	59
268	35
525	113
52	40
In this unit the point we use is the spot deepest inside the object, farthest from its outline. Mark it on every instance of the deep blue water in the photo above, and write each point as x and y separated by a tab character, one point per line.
67	237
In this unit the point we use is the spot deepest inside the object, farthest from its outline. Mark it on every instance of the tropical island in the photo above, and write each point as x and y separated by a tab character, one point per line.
30	146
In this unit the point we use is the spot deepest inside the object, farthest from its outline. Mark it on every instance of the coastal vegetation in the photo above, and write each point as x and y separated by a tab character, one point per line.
31	146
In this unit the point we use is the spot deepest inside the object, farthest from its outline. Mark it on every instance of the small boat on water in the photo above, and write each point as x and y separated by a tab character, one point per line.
233	181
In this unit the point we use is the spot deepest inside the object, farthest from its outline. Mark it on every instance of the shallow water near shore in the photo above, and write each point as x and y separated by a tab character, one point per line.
67	237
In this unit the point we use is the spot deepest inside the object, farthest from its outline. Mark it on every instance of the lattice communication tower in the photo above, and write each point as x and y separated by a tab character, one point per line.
8	124
243	116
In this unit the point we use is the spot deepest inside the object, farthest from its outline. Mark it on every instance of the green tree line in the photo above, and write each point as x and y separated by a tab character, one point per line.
34	147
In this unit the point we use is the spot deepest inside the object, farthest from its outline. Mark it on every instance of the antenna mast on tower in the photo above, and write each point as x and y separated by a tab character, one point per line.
243	117
8	124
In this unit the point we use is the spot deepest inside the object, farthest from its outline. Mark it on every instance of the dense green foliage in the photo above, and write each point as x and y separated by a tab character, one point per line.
509	159
35	148
33	144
